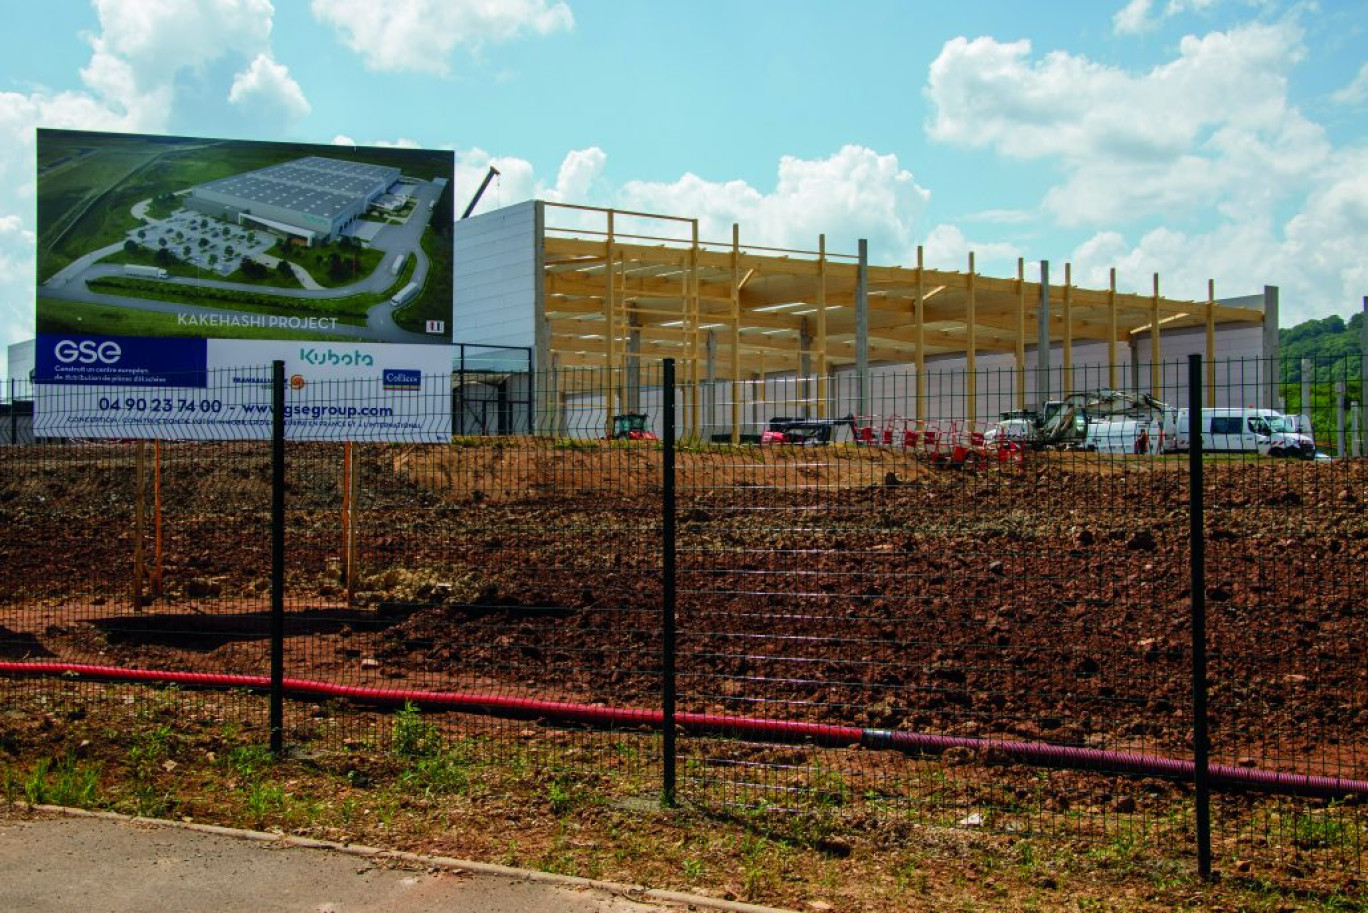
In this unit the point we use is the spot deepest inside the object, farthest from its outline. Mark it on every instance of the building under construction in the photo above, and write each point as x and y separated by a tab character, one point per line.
758	331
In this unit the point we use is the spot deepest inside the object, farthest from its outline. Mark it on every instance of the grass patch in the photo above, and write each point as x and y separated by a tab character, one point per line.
413	737
352	264
435	301
64	781
522	794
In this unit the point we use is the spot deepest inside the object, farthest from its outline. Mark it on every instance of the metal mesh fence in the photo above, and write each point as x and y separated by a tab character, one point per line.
926	597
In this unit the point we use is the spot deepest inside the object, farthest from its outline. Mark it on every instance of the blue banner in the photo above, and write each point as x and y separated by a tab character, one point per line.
123	361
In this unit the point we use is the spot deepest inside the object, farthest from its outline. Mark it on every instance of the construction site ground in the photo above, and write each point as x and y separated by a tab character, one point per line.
1046	601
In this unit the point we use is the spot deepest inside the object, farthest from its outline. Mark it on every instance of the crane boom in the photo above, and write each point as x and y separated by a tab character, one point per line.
489	176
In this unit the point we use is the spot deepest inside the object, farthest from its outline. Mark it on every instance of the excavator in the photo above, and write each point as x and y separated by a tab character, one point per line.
1063	425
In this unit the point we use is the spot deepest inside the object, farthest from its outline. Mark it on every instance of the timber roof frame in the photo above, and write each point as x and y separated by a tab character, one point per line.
774	310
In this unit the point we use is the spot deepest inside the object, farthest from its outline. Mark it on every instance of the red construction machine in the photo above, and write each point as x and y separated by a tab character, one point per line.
632	426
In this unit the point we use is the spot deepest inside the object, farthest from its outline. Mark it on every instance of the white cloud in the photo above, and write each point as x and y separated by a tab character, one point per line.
142	47
853	193
1356	93
1001	216
267	91
419	35
578	172
1196	132
1134	17
946	247
1315	257
140	57
1204	157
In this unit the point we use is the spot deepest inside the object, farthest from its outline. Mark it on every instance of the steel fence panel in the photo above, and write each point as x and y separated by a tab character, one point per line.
911	612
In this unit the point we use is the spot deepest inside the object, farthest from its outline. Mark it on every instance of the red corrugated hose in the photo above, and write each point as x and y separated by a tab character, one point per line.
759	729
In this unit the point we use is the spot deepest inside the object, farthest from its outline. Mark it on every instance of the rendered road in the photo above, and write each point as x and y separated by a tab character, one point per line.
70	282
61	864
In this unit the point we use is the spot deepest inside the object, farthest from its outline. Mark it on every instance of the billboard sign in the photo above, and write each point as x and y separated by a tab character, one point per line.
170	263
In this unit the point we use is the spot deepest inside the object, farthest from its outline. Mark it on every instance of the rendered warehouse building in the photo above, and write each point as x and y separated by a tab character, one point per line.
312	198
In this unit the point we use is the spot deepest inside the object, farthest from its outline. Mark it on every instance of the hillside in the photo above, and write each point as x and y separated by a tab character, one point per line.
1332	344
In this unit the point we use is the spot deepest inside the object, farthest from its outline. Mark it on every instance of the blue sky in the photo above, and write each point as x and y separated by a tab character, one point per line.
1222	139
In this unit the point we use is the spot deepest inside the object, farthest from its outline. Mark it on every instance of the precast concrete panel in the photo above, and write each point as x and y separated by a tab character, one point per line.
496	277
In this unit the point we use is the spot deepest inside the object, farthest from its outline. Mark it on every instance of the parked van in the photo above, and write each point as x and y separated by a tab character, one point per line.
1123	434
1299	424
1243	430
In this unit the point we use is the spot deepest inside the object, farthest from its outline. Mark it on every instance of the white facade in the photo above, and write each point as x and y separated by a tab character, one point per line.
498	277
21	363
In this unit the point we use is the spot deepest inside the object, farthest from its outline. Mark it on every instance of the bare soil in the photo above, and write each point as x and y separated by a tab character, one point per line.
1047	601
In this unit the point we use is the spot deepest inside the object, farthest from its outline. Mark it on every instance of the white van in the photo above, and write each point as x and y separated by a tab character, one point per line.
1299	424
1117	435
1244	430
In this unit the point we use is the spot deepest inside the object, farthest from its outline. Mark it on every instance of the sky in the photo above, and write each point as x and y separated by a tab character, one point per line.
1200	139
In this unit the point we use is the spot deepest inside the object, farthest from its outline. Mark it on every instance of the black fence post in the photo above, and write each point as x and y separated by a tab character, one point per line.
1197	546
277	556
668	582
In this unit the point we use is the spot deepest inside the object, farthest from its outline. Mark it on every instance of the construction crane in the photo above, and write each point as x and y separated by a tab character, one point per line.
489	176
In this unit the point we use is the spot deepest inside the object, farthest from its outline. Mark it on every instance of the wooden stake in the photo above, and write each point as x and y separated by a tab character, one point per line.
349	486
157	565
139	523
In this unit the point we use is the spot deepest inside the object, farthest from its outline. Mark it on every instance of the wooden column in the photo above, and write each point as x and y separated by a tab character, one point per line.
1111	332
610	330
920	329
1068	328
1156	366
1021	334
736	334
823	369
1211	344
970	353
691	325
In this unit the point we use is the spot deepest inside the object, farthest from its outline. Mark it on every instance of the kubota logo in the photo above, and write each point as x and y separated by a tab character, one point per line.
314	356
87	351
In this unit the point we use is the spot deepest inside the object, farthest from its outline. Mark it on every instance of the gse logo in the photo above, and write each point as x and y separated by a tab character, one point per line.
88	351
